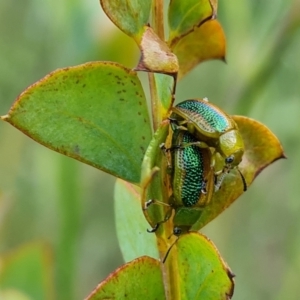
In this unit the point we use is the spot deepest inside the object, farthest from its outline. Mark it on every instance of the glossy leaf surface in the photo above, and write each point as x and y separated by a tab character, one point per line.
95	113
138	279
131	225
129	15
183	16
202	272
261	149
204	43
28	271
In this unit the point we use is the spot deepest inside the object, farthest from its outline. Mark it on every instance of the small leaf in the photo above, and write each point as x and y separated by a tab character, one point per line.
28	270
156	55
131	225
204	43
95	113
164	86
139	279
202	272
183	16
129	15
261	149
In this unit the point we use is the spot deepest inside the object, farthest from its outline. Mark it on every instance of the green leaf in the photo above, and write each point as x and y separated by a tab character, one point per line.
28	271
164	85
202	272
131	225
204	43
153	184
129	15
139	279
183	16
261	149
95	113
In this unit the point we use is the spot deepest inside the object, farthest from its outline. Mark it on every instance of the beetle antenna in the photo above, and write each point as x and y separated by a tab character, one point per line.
167	254
244	180
218	181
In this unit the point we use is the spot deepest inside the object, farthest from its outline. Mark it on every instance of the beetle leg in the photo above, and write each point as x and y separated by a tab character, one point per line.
184	145
199	144
163	147
154	228
148	203
203	190
153	201
166	218
178	125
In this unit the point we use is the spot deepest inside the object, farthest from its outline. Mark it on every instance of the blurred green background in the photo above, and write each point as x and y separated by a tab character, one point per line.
62	210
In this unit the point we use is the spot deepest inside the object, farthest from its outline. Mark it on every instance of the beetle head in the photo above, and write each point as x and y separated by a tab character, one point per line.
232	148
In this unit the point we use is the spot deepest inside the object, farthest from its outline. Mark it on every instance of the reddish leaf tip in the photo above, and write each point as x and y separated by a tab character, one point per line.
277	158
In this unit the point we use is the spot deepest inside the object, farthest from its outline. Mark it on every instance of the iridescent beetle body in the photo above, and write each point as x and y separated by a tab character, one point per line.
192	180
212	127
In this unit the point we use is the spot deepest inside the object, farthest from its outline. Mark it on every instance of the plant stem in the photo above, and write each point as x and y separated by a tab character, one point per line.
158	18
158	27
156	118
169	267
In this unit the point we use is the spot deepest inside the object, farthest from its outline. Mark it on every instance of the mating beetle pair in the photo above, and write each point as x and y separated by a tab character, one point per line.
212	128
201	134
192	180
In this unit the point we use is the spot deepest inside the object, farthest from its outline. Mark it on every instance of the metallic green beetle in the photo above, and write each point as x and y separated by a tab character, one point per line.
212	127
192	180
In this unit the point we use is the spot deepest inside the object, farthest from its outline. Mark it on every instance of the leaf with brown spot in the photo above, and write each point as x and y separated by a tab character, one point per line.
138	279
204	43
262	148
95	113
